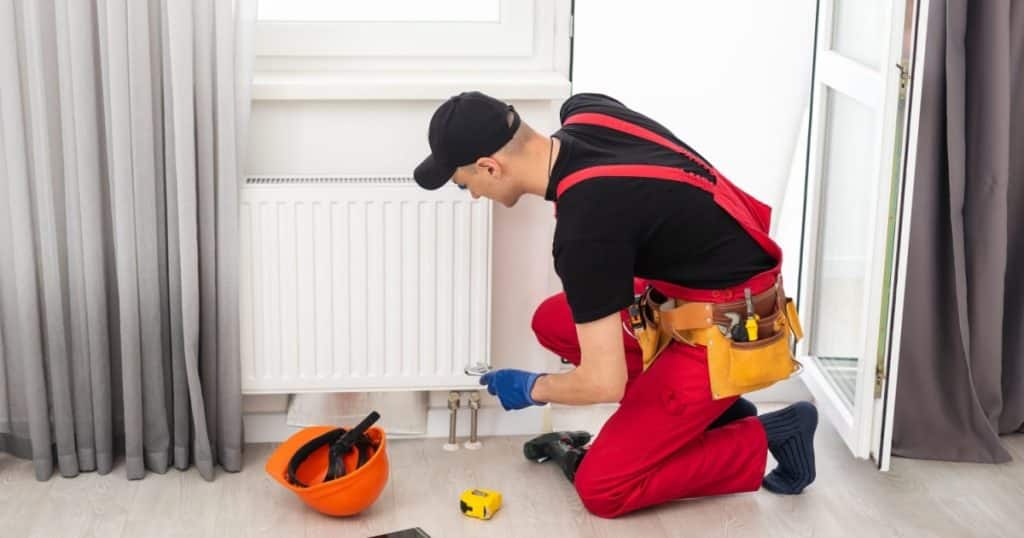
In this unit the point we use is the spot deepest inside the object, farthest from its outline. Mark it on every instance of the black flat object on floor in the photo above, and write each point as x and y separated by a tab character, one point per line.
405	533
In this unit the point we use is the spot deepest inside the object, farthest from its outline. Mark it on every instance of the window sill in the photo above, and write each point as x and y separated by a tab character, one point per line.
290	86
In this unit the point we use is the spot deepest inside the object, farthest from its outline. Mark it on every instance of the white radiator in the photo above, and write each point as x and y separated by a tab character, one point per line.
355	284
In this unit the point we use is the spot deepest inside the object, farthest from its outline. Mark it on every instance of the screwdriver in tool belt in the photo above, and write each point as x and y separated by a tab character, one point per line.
752	316
737	331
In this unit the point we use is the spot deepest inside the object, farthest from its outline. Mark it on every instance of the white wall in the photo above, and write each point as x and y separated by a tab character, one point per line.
731	78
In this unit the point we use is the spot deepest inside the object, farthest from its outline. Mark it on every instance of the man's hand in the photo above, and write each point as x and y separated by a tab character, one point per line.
512	387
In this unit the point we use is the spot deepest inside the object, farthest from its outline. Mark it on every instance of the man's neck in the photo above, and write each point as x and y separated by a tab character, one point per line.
549	156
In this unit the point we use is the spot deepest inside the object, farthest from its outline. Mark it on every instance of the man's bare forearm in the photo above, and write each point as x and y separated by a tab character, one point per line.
578	387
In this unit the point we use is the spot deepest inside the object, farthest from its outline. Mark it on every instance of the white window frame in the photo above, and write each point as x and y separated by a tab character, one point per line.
380	10
524	55
511	35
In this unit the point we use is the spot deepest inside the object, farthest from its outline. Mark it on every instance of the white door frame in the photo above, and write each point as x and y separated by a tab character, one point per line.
877	90
885	406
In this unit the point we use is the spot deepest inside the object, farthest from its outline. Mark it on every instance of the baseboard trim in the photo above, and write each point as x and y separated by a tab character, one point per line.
274	428
492	421
784	392
267	427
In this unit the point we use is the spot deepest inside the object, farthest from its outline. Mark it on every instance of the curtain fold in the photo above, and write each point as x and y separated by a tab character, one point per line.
120	129
961	373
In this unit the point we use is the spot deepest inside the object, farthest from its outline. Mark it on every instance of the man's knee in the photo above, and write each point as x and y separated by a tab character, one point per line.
598	497
550	320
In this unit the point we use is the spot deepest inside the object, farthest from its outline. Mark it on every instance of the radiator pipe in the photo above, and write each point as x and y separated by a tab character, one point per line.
474	412
453	410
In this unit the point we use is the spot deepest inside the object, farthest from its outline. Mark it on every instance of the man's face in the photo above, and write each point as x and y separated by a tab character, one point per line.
488	182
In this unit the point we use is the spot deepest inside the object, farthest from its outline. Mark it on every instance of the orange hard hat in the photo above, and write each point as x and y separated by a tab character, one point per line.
335	471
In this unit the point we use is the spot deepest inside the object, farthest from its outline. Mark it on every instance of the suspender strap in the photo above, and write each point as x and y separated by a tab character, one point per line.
753	215
611	122
634	170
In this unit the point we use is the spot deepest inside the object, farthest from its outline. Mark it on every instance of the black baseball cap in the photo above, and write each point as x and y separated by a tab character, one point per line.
464	128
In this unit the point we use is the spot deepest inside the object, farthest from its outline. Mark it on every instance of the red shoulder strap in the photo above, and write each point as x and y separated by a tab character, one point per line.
750	212
611	122
636	170
633	170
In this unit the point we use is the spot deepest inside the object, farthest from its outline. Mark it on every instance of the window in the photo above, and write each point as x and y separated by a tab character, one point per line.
423	49
380	11
495	32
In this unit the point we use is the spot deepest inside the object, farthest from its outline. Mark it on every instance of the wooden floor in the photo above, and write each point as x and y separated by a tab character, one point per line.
850	498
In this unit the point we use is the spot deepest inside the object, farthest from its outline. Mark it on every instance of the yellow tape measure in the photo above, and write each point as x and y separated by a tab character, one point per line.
479	503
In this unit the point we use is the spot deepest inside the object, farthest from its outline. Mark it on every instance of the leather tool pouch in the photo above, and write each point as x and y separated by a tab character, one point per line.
736	368
645	320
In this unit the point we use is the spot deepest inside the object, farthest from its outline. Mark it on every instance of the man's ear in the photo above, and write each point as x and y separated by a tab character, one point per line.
489	166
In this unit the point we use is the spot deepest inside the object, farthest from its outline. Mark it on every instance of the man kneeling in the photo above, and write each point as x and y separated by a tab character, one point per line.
638	212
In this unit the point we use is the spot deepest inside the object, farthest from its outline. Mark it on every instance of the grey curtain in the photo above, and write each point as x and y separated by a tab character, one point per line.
961	378
120	131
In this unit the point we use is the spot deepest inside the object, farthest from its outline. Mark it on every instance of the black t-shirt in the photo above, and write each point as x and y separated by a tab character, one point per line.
610	229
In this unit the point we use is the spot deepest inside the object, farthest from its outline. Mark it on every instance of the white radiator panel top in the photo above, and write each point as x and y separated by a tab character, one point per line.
354	284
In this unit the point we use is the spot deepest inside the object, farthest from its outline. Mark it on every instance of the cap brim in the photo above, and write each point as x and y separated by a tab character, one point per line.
431	175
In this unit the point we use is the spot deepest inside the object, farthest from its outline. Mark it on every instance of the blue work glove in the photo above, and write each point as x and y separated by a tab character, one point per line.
512	387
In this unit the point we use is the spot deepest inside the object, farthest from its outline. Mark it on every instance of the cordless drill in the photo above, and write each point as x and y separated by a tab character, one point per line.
564	448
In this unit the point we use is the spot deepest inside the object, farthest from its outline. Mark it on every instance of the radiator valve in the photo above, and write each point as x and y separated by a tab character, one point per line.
453	413
474	412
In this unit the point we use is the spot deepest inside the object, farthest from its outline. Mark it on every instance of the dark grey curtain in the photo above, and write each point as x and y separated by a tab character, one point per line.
961	378
119	149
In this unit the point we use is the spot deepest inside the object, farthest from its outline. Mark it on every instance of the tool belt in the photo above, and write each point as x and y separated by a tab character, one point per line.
734	367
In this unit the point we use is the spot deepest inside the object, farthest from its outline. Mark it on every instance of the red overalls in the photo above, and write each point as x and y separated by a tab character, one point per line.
655	448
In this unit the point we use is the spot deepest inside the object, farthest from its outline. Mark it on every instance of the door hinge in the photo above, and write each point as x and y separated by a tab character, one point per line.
879	377
904	75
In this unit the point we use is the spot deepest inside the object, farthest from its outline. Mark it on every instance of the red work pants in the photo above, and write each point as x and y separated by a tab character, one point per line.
655	448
